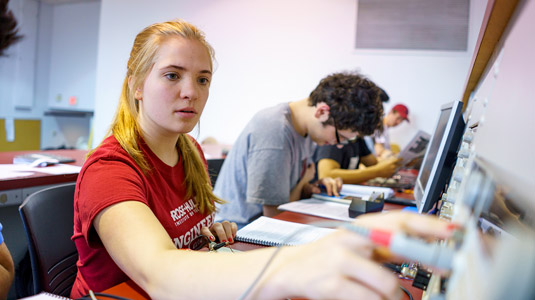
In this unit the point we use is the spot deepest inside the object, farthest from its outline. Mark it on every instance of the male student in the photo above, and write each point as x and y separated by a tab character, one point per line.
271	161
395	116
343	161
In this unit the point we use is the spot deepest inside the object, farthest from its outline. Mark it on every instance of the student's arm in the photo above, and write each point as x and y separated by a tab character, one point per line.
331	168
270	210
369	160
7	271
295	193
143	250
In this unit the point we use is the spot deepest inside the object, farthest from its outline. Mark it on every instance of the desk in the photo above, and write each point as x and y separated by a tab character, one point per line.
14	190
38	178
130	290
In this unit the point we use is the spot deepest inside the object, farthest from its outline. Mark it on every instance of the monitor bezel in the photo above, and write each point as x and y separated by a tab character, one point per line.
436	183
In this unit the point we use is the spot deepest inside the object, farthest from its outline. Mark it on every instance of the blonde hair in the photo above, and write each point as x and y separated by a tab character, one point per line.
125	125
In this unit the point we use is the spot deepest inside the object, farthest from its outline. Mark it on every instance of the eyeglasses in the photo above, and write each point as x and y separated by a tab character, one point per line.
346	140
202	241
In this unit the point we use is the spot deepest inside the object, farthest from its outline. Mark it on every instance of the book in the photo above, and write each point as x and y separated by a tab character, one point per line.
44	295
273	232
355	190
415	148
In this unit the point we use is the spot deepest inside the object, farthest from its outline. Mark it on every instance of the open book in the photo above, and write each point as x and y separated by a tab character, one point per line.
44	296
273	232
415	148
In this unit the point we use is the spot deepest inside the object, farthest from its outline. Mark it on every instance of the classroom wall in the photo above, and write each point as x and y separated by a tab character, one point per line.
17	67
57	55
506	94
277	51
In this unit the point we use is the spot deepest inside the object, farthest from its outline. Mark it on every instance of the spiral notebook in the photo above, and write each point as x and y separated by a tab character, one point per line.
273	232
45	295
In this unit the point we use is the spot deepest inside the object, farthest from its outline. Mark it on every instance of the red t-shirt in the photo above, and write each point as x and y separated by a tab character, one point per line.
110	176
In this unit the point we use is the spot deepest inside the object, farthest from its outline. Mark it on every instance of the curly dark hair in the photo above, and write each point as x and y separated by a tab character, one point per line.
354	102
8	27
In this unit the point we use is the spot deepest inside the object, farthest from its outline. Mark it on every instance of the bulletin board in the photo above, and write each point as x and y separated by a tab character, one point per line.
27	136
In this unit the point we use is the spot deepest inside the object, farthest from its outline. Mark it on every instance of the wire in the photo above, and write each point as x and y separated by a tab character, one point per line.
406	292
90	297
268	263
431	254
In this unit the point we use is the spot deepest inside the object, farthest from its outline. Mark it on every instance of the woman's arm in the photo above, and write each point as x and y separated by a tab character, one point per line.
336	266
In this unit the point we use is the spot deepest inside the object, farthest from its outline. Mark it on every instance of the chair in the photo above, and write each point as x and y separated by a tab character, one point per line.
214	166
48	219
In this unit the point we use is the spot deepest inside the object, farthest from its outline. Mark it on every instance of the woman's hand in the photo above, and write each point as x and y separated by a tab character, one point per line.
337	266
225	231
343	265
424	227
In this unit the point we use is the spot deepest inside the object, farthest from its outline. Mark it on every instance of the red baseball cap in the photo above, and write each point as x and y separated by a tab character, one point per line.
402	110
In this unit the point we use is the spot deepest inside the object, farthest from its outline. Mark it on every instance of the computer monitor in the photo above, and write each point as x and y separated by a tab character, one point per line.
440	157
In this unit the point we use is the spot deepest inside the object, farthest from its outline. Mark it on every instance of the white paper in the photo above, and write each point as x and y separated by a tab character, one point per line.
319	208
365	191
274	232
59	169
8	171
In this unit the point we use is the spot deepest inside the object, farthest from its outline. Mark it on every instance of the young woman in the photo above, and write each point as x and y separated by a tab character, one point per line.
144	192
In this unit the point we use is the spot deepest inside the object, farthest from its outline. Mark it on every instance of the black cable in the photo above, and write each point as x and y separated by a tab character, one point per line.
87	297
406	292
394	267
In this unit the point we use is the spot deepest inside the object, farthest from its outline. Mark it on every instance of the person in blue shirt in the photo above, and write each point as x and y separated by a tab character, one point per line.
7	269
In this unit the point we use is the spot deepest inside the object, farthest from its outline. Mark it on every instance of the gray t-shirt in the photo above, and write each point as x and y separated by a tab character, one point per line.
263	166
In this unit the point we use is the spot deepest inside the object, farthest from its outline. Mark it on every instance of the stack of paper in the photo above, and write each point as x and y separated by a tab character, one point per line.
354	190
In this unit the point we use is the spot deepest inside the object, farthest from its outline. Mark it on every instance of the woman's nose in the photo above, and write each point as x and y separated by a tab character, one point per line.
188	89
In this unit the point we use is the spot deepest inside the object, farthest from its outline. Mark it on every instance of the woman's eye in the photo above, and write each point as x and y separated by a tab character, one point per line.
204	80
171	76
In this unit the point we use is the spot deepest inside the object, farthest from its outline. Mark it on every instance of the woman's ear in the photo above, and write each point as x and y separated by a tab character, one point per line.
322	111
138	93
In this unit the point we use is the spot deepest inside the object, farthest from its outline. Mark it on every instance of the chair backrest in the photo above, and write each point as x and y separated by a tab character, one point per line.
48	218
214	166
